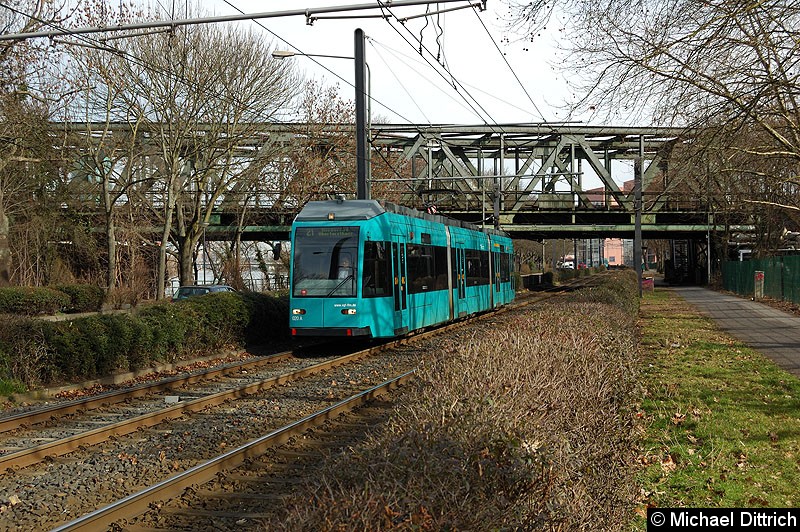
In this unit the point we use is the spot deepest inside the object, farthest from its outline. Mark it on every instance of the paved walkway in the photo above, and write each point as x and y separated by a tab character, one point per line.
774	333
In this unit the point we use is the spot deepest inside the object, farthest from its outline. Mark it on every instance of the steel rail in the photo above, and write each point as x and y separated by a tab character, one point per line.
63	446
140	502
117	396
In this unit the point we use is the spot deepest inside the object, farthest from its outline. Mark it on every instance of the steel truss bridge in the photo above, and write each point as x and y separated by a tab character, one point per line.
535	180
543	181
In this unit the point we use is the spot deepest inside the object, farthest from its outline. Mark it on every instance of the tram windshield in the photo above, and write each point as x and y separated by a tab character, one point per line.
325	262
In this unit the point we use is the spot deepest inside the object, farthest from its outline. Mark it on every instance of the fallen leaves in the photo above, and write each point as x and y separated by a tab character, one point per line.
668	464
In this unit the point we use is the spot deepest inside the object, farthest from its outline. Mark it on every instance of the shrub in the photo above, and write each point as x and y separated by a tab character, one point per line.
36	351
269	317
221	319
73	357
168	324
24	356
83	297
30	301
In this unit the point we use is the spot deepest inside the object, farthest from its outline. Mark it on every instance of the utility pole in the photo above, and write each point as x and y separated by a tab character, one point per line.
498	183
638	169
362	139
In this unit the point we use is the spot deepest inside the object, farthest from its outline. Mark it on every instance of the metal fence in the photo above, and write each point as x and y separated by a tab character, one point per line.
781	277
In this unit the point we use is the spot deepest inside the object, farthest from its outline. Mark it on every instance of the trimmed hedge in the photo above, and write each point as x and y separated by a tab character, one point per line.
94	346
83	297
29	301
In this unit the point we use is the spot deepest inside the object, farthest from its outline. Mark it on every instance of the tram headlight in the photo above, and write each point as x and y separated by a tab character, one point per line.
298	311
348	311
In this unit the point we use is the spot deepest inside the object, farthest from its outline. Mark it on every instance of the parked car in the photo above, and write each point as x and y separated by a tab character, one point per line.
185	292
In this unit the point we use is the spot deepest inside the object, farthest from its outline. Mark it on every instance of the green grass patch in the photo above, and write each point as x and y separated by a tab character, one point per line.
720	421
9	386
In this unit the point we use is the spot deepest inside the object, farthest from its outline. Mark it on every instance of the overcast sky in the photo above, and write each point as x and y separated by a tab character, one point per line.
405	87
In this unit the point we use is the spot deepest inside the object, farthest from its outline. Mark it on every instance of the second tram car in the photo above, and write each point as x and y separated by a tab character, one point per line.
374	269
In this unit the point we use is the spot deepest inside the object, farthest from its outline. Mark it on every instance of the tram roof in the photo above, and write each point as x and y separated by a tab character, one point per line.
365	209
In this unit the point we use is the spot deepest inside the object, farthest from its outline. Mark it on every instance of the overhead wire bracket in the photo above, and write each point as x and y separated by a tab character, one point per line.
479	5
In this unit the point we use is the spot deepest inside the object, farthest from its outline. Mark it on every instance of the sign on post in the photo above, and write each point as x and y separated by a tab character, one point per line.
758	292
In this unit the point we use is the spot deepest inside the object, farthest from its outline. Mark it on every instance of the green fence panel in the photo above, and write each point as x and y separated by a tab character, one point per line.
781	277
773	277
791	279
729	276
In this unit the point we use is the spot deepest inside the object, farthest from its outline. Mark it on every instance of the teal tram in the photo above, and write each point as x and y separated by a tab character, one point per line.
365	268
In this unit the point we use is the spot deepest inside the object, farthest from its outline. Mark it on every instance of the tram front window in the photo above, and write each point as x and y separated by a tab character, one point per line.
325	262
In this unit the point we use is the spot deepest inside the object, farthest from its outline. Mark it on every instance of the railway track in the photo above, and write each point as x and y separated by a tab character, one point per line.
143	500
47	493
63	428
179	437
29	437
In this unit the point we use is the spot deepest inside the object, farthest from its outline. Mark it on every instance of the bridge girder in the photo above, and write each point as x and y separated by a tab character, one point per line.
533	177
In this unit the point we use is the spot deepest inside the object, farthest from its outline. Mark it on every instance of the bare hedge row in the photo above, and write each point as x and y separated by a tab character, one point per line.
524	423
34	351
30	301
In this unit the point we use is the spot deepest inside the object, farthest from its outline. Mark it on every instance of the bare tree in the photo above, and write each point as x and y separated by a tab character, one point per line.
203	94
107	156
26	147
730	68
321	162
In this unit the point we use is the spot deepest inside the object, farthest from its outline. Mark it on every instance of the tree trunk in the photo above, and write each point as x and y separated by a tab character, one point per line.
111	239
185	247
111	249
162	253
5	249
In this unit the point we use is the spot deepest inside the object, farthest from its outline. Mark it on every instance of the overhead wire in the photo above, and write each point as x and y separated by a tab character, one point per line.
513	72
399	82
320	64
370	140
476	107
454	81
396	53
104	46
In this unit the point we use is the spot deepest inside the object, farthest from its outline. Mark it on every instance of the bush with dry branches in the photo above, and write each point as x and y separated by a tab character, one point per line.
520	423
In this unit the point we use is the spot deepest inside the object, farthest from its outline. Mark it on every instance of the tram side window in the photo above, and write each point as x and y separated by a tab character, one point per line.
477	267
419	265
377	271
505	267
486	257
440	267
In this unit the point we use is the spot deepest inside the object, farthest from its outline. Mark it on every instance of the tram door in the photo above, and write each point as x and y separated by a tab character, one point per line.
460	274
496	271
400	292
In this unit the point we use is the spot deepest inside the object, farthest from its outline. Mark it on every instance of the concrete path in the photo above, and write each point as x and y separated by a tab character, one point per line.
772	332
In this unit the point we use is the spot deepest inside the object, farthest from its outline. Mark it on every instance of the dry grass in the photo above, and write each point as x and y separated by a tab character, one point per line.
522	423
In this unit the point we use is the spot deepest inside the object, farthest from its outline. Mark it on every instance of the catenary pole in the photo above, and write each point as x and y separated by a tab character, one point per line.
362	147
